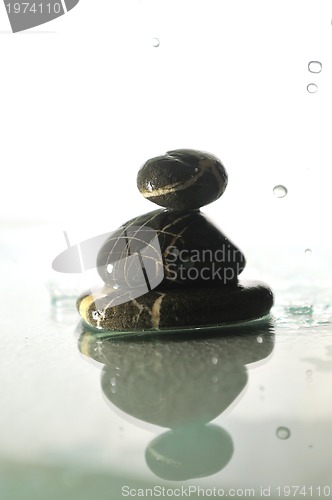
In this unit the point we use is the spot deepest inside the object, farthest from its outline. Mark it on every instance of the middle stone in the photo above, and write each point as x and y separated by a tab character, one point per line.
169	249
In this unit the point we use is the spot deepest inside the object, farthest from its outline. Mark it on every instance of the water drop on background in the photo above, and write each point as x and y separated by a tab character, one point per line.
312	88
308	252
283	432
214	360
315	67
280	191
155	42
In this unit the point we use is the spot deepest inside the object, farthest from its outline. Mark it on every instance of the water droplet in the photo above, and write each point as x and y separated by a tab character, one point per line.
214	360
280	191
301	310
113	381
96	315
312	88
315	67
259	339
261	388
309	373
283	433
109	268
155	42
115	287
308	252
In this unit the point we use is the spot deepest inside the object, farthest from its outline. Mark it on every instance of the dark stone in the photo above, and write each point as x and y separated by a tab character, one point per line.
166	248
175	308
173	269
184	179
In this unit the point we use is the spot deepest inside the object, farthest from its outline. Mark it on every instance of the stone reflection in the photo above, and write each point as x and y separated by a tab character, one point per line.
189	452
182	384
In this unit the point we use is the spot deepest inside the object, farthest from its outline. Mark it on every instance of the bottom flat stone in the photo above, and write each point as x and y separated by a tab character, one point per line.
178	308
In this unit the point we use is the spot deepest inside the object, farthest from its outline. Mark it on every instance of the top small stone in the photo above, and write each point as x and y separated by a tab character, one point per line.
183	179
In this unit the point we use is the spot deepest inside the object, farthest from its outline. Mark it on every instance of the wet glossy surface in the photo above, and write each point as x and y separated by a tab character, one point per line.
183	179
184	249
184	310
85	416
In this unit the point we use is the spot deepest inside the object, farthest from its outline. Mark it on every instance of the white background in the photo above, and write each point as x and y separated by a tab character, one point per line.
86	99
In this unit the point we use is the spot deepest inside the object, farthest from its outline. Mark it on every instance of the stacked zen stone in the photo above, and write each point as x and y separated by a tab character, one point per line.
172	268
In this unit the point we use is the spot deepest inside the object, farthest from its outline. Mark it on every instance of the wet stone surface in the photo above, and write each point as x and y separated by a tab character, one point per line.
184	179
176	308
178	248
172	268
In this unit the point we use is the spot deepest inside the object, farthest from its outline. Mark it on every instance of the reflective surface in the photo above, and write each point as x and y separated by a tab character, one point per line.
181	382
88	415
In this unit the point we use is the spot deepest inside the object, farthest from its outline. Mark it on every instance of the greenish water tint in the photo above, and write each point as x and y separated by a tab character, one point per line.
180	382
